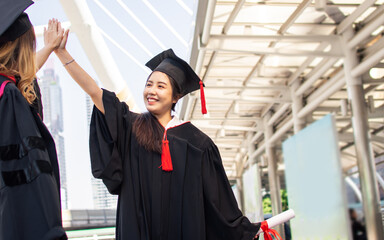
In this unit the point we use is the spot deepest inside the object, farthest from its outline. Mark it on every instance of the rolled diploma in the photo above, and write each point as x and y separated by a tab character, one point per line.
279	219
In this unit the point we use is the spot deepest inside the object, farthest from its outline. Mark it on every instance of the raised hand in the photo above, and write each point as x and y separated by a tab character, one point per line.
54	35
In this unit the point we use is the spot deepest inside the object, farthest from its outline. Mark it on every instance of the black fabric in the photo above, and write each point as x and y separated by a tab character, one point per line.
358	230
20	26
13	22
17	151
27	175
194	201
37	104
29	182
170	64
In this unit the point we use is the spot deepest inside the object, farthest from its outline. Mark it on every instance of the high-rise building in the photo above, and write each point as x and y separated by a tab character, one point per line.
102	199
53	119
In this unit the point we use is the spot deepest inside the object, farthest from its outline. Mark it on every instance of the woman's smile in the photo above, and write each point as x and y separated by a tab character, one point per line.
151	100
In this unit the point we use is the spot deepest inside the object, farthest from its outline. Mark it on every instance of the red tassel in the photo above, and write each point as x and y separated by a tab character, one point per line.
267	231
202	97
166	161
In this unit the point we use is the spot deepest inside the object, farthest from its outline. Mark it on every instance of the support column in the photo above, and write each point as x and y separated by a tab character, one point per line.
273	177
259	215
365	160
240	190
297	105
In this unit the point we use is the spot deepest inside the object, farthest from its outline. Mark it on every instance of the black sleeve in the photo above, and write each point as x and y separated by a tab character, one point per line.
224	219
108	141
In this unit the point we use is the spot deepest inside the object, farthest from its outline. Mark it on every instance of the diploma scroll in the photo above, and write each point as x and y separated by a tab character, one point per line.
279	219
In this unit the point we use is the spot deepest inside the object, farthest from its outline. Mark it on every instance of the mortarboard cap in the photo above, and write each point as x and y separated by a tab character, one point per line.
186	78
13	21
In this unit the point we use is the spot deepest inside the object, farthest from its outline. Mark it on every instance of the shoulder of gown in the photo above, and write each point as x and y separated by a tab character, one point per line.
194	136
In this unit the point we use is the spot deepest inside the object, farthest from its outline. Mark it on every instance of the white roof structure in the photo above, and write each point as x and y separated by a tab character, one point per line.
274	64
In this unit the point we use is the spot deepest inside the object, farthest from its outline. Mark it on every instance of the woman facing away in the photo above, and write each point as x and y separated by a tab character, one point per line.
167	173
29	175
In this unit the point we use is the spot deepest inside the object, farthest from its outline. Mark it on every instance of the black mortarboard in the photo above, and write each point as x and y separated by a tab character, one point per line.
186	78
13	21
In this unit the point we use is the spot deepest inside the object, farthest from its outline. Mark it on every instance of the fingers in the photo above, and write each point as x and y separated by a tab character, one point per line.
53	25
60	29
66	35
64	40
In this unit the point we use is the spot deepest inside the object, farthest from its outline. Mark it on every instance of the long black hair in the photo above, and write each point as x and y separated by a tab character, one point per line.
148	130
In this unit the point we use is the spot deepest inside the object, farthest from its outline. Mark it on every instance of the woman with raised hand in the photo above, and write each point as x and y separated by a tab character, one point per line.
167	173
29	175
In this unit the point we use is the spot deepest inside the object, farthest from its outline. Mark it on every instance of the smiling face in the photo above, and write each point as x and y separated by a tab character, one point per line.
158	97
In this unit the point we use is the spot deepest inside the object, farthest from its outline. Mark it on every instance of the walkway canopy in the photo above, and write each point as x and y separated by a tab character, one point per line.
281	65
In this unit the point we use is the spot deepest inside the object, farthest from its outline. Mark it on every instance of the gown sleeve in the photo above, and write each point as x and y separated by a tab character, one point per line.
108	141
224	220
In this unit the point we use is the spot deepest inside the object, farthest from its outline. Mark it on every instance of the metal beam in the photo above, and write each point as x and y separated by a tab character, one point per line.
315	74
277	52
91	40
366	31
270	87
226	127
283	108
365	160
347	22
251	99
231	18
240	119
273	176
334	39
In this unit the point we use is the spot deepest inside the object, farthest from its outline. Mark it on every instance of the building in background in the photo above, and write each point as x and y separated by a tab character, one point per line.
102	199
53	118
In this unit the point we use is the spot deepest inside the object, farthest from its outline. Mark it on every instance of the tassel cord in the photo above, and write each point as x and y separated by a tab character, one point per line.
166	161
202	98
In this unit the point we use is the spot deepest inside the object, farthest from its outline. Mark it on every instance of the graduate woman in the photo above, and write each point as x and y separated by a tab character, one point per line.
29	174
167	173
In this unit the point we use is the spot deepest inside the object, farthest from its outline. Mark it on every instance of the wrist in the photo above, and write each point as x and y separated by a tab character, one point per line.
49	48
60	51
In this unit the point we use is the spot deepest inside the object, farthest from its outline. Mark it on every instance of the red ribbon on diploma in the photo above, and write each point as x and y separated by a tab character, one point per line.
267	231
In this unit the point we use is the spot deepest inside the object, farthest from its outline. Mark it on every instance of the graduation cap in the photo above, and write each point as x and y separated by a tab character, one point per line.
186	78
13	21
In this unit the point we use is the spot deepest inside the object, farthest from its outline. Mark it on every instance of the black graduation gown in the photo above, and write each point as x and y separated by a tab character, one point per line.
29	174
194	201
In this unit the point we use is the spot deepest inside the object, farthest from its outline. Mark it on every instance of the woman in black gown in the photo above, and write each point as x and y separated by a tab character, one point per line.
29	175
167	173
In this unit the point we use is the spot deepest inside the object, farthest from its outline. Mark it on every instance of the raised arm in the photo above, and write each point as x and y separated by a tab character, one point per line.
82	78
52	39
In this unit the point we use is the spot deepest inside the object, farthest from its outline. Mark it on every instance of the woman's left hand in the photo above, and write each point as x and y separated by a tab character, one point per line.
53	36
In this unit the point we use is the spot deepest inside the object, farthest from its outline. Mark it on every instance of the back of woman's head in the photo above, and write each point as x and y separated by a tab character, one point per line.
17	58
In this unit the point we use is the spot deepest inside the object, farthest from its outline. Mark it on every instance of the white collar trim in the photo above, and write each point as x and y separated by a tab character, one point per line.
175	121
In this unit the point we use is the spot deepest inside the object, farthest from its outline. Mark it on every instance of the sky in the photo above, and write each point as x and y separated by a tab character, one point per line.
142	29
